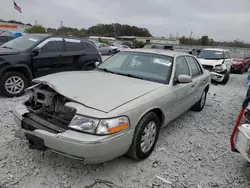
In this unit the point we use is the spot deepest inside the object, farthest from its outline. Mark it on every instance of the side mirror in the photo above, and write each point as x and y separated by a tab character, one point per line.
35	52
184	79
97	63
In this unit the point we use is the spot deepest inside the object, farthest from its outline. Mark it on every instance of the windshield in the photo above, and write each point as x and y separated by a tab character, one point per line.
211	54
23	43
146	66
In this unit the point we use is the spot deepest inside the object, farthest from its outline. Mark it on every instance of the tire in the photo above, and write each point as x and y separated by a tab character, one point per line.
242	71
226	78
109	52
90	67
136	151
201	103
11	77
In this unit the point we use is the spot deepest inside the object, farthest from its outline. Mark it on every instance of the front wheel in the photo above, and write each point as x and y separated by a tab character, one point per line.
145	137
13	84
226	78
201	103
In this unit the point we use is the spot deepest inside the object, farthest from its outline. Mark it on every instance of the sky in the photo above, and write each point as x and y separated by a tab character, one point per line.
223	20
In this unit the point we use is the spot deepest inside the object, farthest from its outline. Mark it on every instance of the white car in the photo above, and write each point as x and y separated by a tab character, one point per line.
218	62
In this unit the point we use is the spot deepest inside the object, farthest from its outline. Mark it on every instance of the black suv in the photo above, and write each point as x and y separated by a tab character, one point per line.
36	55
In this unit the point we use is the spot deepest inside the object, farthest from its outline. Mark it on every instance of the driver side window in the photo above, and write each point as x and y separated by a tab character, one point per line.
181	67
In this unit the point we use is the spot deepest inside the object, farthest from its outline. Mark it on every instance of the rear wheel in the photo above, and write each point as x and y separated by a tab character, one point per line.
201	103
145	137
13	84
109	52
242	71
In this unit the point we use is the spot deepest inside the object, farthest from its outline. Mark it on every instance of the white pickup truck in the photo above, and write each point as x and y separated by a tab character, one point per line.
218	62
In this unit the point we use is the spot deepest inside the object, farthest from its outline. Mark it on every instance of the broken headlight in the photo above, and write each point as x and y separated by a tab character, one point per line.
96	126
84	124
218	68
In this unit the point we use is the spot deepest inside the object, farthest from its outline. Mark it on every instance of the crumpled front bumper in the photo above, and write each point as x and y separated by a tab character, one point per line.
218	77
89	148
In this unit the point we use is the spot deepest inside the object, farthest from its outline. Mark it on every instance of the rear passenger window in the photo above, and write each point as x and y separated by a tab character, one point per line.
194	65
90	46
53	46
73	45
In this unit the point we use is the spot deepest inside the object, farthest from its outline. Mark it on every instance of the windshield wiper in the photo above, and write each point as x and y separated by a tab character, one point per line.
6	47
106	70
130	75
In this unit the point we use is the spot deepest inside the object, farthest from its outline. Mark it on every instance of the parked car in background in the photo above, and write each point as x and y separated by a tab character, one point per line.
158	46
126	43
104	49
218	62
36	55
241	62
115	49
142	90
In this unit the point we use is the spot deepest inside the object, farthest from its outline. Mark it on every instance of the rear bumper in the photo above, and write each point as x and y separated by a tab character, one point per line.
242	141
89	148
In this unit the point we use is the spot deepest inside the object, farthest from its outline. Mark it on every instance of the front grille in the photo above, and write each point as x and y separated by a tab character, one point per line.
208	67
32	122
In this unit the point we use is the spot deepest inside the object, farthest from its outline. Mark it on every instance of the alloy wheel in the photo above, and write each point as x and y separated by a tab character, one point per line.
14	85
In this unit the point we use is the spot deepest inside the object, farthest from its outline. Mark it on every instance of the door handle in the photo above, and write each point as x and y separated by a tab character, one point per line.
192	86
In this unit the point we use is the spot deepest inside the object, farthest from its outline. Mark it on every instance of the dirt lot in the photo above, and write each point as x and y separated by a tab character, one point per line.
192	152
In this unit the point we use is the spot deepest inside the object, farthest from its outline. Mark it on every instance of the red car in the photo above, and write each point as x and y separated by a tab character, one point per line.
240	63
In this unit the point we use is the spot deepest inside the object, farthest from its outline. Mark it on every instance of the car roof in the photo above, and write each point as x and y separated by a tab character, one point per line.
216	49
156	51
40	35
48	35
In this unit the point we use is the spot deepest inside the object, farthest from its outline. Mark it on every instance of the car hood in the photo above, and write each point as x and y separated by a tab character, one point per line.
210	61
7	51
98	90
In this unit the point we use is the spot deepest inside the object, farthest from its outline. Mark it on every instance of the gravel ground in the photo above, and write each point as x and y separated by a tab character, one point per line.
192	152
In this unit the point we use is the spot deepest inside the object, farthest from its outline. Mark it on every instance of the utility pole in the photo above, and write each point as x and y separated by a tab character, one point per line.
35	22
61	23
190	37
177	35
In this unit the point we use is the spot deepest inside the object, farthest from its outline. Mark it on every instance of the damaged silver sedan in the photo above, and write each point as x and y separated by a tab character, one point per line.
116	109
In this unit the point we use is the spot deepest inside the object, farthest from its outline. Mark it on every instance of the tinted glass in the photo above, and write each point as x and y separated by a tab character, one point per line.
152	67
227	55
195	68
181	67
73	45
90	46
3	39
53	46
24	42
211	54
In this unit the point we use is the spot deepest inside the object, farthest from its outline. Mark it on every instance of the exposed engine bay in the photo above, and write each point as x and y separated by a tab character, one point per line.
49	105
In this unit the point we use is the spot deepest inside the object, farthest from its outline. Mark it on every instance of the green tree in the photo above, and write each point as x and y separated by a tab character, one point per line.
204	40
116	29
36	29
